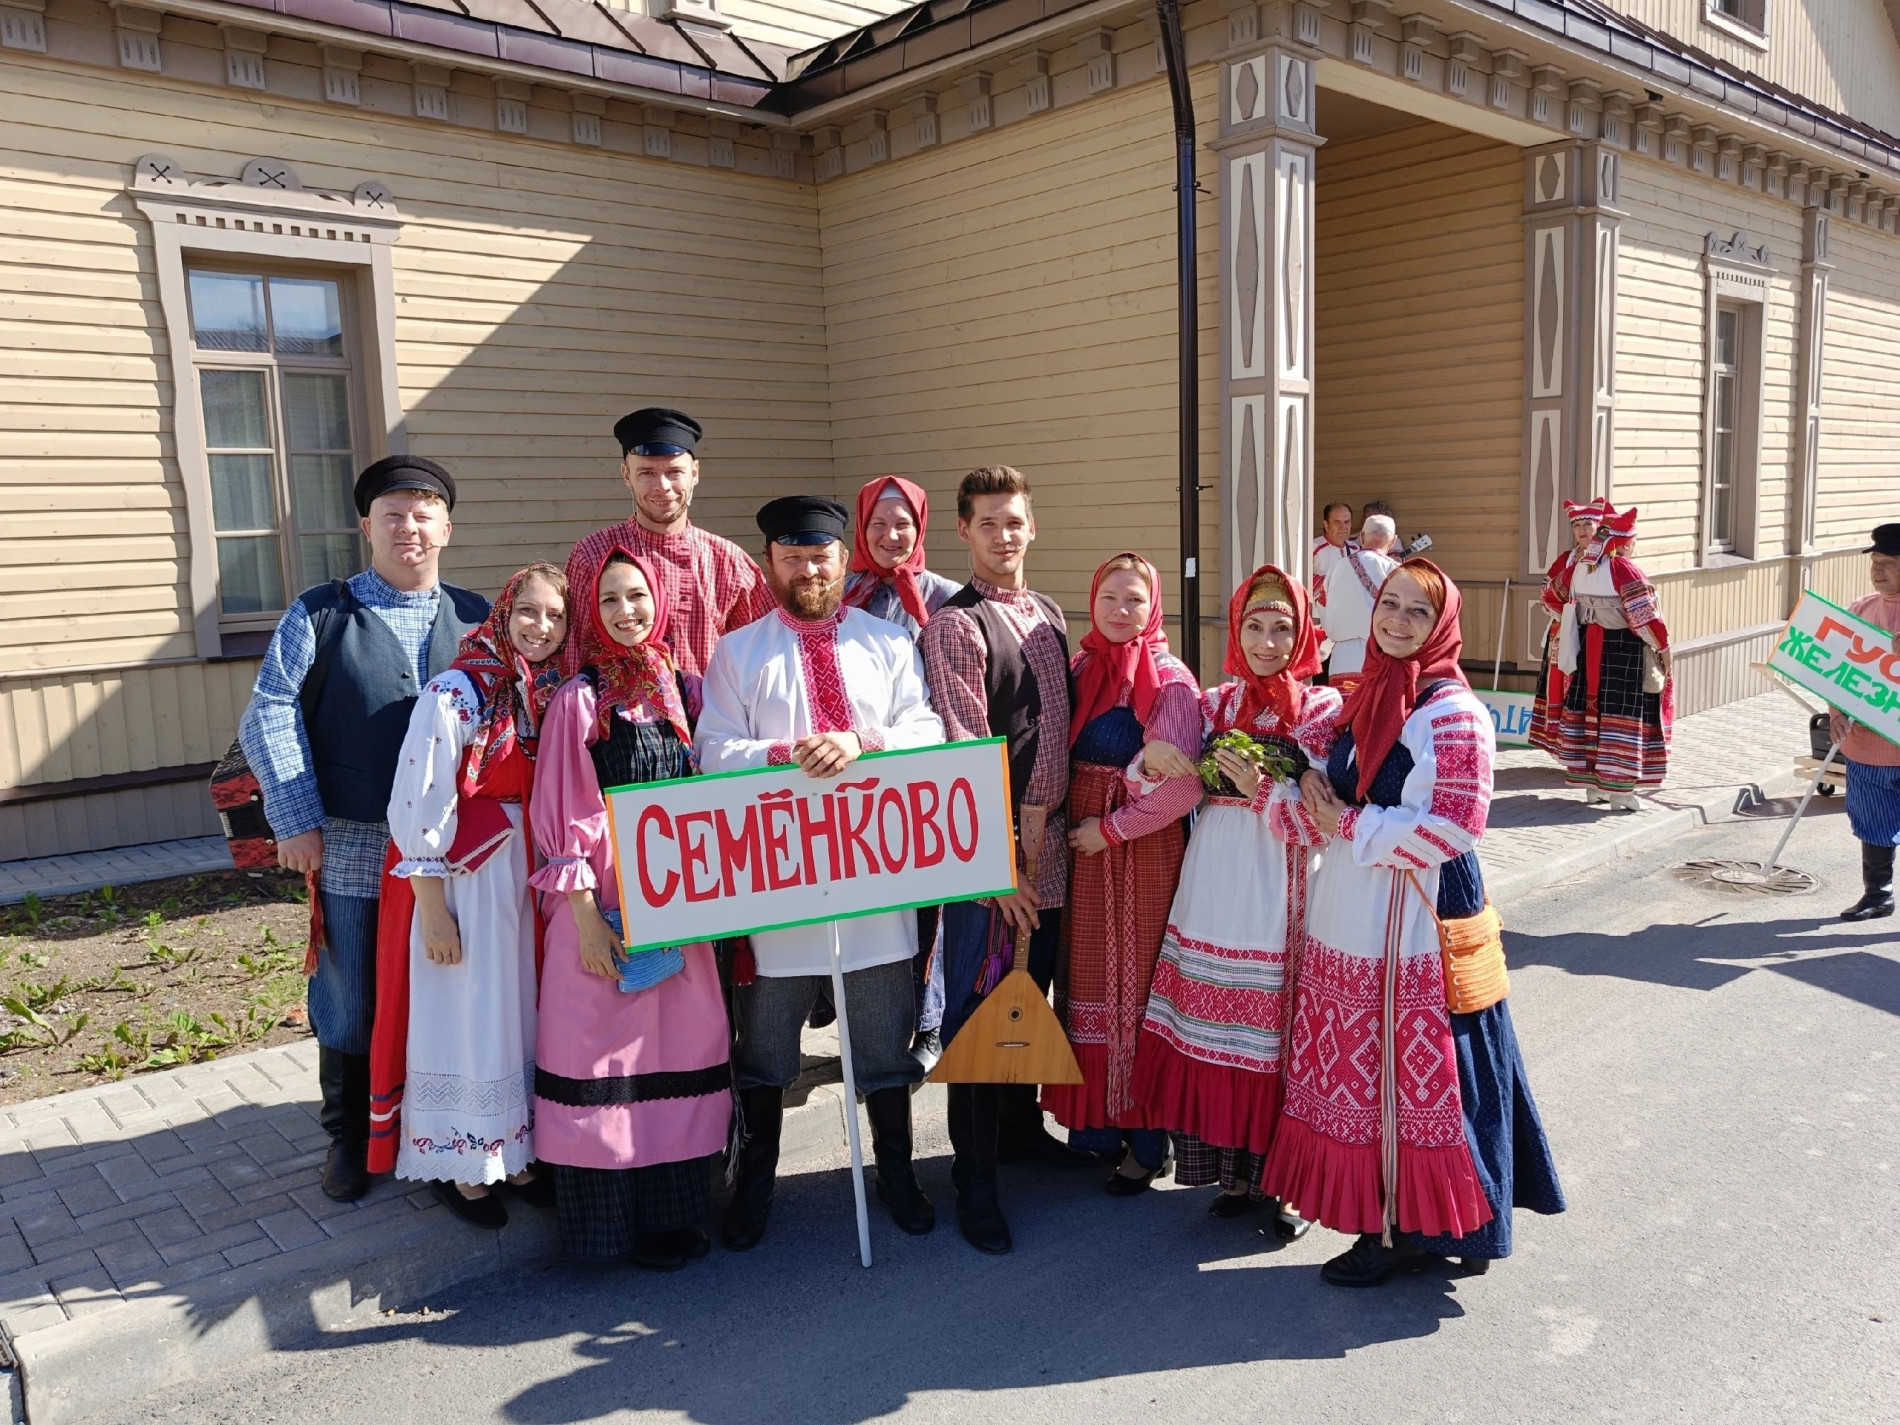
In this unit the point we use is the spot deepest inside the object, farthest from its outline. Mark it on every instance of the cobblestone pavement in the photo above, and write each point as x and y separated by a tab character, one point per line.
1539	825
47	876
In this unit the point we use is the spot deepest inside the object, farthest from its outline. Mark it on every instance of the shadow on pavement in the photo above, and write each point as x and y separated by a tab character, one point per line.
1699	957
796	1332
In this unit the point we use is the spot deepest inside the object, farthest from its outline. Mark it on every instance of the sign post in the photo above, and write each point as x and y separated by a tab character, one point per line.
769	848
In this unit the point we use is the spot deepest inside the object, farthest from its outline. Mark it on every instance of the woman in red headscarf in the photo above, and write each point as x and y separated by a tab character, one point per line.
452	1048
887	578
1407	1117
1126	843
1209	1065
633	1096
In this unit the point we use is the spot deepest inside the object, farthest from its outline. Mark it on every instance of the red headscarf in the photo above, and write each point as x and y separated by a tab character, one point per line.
1388	686
1103	669
515	693
626	677
904	576
1278	693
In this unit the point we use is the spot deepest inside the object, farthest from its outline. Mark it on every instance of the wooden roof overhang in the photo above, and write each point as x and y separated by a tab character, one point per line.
1592	42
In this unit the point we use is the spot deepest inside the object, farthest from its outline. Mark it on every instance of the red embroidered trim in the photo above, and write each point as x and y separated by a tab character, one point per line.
824	679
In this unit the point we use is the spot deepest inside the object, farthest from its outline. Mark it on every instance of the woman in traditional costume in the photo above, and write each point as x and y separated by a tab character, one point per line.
452	1048
1126	847
1407	1117
887	577
1563	616
633	1095
1619	700
1209	1065
888	580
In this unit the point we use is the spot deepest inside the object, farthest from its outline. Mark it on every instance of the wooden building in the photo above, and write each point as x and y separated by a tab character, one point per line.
1469	256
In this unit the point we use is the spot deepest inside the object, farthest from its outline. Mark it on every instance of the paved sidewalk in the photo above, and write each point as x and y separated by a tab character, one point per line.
48	876
1719	762
171	1224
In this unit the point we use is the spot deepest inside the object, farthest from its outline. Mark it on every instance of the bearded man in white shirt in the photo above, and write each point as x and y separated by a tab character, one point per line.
818	685
1352	588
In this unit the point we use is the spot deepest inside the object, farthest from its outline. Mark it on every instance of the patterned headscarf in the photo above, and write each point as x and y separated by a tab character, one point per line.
626	677
514	692
1269	586
904	575
1613	536
1104	669
1388	687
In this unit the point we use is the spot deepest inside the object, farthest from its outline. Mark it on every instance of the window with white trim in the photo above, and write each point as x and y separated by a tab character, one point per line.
1741	280
272	359
1725	373
1744	19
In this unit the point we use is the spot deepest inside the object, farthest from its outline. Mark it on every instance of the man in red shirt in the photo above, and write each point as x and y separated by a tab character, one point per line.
713	585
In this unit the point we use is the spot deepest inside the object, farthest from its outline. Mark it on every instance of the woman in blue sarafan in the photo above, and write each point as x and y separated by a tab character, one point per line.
1406	1121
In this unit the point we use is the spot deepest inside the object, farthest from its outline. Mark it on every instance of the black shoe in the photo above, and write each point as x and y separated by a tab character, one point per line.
485	1211
1231	1204
692	1242
346	1170
762	1115
1876	879
1040	1146
343	1080
972	1116
897	1186
1475	1266
1287	1226
1368	1262
658	1251
1119	1184
537	1191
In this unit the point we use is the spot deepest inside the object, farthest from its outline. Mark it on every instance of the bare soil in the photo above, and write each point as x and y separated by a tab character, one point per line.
128	980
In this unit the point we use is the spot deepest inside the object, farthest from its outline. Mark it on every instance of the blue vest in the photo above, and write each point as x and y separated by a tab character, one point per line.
362	713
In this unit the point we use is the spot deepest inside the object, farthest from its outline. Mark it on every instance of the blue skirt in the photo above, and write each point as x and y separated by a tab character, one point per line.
1873	803
1502	1126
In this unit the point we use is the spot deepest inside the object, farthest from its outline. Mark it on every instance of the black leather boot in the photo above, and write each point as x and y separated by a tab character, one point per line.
1021	1137
344	1080
1876	879
763	1112
897	1186
1368	1262
973	1127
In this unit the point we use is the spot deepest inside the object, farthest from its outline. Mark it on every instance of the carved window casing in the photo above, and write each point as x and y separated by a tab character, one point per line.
269	411
1740	276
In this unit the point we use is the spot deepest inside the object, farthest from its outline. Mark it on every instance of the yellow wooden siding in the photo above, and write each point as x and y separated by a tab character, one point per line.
60	727
1859	484
1841	53
542	290
132	816
1011	299
1661	371
1419	302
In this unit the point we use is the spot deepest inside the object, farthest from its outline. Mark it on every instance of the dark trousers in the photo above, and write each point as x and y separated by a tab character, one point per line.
882	1006
343	990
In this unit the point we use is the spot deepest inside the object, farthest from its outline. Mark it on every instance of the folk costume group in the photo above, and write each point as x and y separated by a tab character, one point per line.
1291	988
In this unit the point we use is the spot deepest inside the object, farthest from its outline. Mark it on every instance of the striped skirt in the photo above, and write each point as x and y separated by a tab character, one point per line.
1873	803
1610	733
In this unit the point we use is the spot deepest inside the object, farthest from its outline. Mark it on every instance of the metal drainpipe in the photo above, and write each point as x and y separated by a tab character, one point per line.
1174	49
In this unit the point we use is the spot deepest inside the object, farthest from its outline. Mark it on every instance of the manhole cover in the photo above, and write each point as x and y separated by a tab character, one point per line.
1745	876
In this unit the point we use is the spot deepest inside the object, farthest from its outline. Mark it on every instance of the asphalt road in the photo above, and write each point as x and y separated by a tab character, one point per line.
1720	1075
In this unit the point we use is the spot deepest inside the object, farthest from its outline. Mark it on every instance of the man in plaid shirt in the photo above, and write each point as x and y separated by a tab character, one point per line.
996	657
326	778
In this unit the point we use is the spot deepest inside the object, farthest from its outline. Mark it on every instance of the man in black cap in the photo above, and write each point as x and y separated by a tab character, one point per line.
713	586
817	686
324	725
1873	762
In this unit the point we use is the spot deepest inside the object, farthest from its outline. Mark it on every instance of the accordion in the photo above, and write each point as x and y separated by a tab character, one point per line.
240	804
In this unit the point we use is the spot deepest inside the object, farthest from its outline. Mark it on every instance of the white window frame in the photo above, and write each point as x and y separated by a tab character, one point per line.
1739	27
266	217
1740	278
